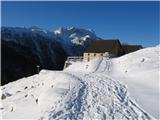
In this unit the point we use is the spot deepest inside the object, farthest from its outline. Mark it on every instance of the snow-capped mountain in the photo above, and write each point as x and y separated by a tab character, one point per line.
72	35
75	40
105	89
35	45
12	32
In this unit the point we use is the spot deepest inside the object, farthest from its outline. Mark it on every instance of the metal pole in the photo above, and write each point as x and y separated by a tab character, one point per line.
38	69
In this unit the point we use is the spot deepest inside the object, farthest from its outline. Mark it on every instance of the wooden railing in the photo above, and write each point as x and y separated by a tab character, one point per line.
75	58
71	59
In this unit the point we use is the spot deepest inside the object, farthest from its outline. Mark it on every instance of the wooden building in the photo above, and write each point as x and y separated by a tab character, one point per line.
103	48
131	48
100	48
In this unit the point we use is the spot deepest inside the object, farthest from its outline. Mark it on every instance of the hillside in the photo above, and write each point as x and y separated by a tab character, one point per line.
88	90
25	48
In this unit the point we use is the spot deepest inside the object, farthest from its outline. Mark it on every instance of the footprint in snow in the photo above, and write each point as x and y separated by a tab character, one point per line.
26	87
18	91
12	108
26	95
37	100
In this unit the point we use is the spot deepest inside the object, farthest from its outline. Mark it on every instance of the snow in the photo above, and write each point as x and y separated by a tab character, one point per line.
99	89
45	87
85	67
140	72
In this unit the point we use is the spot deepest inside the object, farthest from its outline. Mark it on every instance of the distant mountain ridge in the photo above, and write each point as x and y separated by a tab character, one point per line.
69	37
24	48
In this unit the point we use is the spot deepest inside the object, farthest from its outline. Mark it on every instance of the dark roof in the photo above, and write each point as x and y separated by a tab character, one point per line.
101	46
131	48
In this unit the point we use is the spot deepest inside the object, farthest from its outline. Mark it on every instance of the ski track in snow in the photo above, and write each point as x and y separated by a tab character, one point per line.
98	97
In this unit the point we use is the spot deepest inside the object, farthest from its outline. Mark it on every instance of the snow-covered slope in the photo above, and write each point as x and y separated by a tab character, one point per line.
140	72
85	90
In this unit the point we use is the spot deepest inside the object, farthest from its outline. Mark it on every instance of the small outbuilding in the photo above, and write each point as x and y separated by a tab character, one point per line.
100	48
131	48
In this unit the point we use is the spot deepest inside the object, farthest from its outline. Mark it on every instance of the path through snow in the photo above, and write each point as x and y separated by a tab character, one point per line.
72	95
98	97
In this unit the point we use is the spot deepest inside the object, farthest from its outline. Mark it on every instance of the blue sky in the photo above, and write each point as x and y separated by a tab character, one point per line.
131	22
